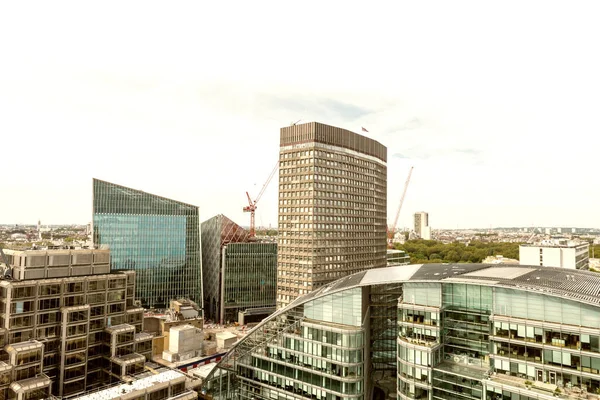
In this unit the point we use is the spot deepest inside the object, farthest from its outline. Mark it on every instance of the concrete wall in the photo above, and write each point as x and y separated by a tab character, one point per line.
563	257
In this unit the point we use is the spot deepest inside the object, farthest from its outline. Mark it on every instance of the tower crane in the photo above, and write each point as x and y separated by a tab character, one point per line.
392	229
532	235
251	207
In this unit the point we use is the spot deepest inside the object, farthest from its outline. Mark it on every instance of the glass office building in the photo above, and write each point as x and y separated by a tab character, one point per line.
435	331
249	279
159	238
239	272
217	232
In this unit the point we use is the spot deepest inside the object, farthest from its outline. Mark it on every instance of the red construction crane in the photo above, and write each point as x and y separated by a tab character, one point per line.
251	207
392	229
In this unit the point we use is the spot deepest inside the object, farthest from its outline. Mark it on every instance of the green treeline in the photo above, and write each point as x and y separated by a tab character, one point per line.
594	250
432	251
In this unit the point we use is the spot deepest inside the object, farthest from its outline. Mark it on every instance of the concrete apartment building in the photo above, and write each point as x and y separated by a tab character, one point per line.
332	207
561	253
422	228
433	332
67	324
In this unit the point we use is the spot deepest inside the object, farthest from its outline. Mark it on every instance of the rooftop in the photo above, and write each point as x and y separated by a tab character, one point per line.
145	203
579	285
550	245
331	135
116	392
557	242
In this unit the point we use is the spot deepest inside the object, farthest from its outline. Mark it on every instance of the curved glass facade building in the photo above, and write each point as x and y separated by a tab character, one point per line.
159	238
435	331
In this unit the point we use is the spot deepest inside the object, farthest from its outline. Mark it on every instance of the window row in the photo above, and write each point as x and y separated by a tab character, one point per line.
20	292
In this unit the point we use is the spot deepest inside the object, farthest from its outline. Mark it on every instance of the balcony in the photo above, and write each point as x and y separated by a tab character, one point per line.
419	342
538	390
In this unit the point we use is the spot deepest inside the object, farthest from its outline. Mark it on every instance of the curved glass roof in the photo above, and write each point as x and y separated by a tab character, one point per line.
577	285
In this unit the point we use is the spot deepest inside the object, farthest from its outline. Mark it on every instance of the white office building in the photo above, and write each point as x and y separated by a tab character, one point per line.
422	228
556	253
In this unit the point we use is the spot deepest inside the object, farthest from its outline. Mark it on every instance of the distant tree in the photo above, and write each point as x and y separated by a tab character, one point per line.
453	256
595	250
424	251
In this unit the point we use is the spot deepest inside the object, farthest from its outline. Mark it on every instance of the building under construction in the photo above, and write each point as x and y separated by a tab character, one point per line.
239	273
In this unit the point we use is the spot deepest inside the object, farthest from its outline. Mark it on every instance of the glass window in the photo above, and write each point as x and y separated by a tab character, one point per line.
157	237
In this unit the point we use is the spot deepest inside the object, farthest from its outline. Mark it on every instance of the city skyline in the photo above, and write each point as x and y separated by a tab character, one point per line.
494	106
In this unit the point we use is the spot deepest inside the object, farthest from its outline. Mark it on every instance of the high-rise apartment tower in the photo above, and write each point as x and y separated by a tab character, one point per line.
332	207
422	228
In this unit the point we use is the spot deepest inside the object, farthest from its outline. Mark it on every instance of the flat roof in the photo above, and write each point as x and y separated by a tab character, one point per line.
500	272
552	245
116	392
225	335
202	371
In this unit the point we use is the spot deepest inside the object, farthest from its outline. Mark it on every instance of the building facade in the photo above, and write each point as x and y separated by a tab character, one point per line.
67	324
557	253
332	207
422	228
248	280
397	257
434	331
240	273
217	232
157	237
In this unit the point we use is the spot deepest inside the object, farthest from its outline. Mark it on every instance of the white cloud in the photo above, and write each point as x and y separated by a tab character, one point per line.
494	104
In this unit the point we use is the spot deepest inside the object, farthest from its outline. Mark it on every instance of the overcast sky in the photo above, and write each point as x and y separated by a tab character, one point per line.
495	104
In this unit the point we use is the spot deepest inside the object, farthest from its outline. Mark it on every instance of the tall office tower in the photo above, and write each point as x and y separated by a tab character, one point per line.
239	273
67	324
332	207
422	228
157	237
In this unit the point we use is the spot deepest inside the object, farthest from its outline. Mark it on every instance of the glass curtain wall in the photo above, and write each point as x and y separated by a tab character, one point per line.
466	323
157	237
383	312
217	232
250	279
306	350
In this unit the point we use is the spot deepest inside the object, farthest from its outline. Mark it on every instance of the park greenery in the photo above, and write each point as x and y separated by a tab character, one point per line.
433	251
595	250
